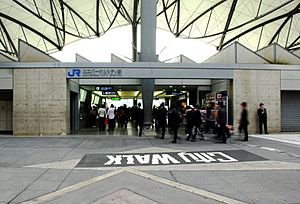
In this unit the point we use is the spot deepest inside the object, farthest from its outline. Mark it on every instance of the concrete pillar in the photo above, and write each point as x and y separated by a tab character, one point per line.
148	54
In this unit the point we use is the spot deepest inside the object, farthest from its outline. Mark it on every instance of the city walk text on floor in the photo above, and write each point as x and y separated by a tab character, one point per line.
170	158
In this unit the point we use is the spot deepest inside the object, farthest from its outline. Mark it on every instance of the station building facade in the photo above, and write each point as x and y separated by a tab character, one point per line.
38	97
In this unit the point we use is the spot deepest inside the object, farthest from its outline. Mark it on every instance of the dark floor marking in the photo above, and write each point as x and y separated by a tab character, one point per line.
169	158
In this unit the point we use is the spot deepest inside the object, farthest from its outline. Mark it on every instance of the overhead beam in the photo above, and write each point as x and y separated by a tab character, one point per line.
199	16
291	14
8	37
97	18
31	29
232	9
259	25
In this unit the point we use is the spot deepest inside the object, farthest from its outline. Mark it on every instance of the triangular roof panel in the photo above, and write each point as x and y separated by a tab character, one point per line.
236	53
5	58
278	55
28	53
80	58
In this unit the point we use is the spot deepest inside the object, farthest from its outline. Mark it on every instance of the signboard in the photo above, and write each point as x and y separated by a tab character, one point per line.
173	158
176	93
104	88
109	93
116	99
93	73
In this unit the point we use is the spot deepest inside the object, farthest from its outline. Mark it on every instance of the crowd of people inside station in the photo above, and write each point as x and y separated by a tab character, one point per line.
194	119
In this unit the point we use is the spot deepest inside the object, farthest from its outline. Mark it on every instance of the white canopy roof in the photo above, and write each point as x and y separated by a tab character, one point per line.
51	24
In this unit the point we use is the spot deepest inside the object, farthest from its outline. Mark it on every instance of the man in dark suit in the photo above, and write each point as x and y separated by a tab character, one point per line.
221	122
244	120
139	118
161	117
262	118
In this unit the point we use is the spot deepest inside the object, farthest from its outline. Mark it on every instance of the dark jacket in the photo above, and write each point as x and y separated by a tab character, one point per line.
221	118
174	117
161	115
197	117
262	114
139	115
244	118
190	118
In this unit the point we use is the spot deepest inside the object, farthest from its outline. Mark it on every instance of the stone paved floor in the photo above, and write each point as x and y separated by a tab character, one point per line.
43	170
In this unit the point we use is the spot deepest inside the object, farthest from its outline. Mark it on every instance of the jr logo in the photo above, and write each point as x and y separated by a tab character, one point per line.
74	72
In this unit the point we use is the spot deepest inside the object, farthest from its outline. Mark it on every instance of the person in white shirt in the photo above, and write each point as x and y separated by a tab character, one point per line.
111	117
102	116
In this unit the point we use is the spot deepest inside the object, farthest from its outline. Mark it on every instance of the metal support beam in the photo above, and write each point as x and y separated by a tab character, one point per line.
148	54
232	9
31	29
259	25
8	38
97	18
199	16
291	14
134	30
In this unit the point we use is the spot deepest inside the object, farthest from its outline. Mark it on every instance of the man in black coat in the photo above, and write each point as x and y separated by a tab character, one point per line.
139	118
189	122
221	123
197	124
161	117
262	118
244	120
174	121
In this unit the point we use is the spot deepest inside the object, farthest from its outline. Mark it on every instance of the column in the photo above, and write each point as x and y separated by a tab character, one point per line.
148	54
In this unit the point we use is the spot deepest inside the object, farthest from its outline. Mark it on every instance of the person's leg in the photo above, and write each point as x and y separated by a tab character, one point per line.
100	124
188	132
260	127
141	128
245	129
163	131
103	123
223	136
194	133
109	124
266	127
175	133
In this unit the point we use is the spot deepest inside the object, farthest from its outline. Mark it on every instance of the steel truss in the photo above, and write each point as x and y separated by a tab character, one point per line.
65	20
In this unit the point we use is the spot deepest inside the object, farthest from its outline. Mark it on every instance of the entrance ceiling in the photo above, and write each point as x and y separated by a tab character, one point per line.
51	24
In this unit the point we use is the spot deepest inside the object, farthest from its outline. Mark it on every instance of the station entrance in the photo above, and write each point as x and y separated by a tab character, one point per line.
93	97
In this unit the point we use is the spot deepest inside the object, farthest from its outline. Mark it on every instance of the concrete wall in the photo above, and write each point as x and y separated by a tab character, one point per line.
41	102
256	87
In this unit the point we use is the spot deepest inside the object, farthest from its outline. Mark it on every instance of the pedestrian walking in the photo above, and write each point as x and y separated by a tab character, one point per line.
174	121
161	117
221	123
197	124
139	118
111	117
244	120
262	118
189	122
102	114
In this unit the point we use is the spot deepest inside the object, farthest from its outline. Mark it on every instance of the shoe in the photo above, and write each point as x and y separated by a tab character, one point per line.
162	138
193	140
173	141
266	133
187	139
244	140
